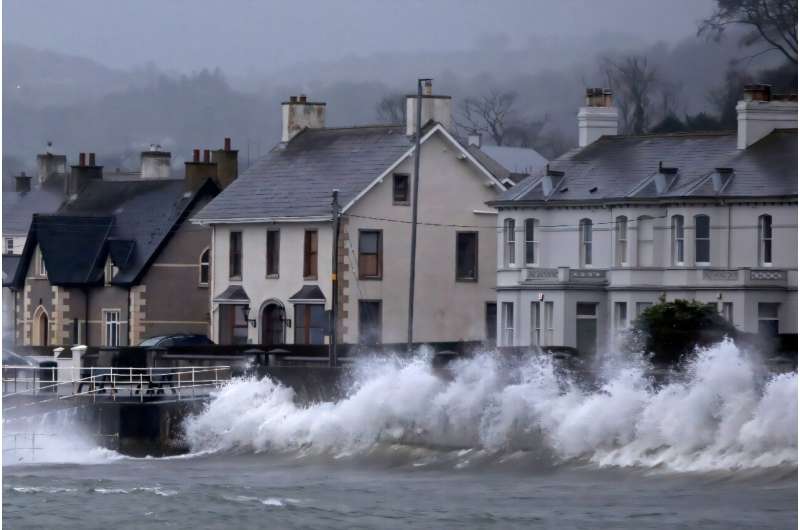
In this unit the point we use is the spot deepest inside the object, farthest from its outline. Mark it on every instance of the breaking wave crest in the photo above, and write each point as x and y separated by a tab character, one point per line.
724	412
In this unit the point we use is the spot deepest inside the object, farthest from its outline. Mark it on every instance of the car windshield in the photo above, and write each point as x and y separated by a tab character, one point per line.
152	341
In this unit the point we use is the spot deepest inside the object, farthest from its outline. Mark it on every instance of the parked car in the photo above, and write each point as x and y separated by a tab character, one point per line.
164	341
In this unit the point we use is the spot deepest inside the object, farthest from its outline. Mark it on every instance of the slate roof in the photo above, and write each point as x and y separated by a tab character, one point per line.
516	159
627	168
308	292
10	262
233	293
127	220
19	207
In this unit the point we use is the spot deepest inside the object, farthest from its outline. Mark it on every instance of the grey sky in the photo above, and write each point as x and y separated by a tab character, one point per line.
260	36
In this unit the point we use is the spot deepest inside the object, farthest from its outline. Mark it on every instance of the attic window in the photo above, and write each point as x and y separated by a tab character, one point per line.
721	177
109	271
564	190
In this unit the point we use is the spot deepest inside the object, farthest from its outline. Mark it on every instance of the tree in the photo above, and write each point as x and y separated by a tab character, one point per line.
391	109
488	114
773	22
669	331
725	97
633	82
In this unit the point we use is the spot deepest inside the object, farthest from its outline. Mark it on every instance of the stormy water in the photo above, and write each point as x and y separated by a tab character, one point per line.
487	442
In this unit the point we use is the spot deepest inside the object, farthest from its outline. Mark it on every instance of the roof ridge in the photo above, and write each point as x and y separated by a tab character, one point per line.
671	134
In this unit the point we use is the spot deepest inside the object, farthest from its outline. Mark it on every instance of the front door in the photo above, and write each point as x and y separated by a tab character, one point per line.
586	328
272	319
491	323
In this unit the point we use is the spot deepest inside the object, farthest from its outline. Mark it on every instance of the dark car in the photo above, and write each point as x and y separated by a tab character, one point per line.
164	341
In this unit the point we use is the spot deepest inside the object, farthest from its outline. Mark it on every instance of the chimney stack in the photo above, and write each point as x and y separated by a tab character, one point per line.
598	117
474	140
298	113
155	163
81	174
22	183
760	112
434	108
197	172
227	161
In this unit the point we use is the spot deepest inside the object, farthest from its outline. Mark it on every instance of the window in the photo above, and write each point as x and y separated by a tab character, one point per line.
40	268
645	241
491	323
548	323
641	306
727	311
677	240
586	327
702	240
233	323
370	254
508	323
111	327
108	272
400	187
273	253
370	329
310	324
310	255
509	243
765	240
536	324
531	245
622	240
235	256
768	319
620	316
9	245
585	229
205	267
466	256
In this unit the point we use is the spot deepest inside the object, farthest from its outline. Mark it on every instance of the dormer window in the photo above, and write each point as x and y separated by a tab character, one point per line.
41	271
109	272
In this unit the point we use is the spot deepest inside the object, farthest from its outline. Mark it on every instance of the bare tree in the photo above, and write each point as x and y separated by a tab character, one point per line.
391	109
634	84
771	21
489	114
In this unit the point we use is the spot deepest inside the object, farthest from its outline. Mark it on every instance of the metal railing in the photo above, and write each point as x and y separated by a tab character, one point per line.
128	384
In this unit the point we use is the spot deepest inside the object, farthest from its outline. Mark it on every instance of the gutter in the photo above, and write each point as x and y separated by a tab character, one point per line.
251	220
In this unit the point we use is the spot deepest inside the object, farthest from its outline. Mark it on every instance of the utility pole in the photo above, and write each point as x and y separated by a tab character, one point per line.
414	201
335	212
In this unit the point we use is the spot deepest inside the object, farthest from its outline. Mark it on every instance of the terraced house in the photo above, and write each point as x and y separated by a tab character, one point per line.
117	262
620	222
272	234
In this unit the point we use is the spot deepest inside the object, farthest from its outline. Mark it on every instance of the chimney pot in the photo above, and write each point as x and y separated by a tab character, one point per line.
292	99
196	155
302	98
82	159
91	159
206	155
758	92
427	87
227	144
598	117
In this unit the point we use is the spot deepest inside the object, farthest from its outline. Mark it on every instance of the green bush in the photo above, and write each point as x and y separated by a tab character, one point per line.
668	331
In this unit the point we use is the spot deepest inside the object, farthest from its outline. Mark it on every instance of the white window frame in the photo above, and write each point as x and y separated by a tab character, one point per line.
9	245
620	316
585	227
726	310
507	321
204	264
108	272
697	240
645	246
112	327
776	318
41	270
765	242
678	240
622	241
509	243
531	242
548	323
536	324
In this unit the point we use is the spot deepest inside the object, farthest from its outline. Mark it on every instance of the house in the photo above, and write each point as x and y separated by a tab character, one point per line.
620	222
118	262
272	234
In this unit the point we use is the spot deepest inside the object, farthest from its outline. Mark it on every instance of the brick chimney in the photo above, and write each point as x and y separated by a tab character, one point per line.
227	161
155	163
22	183
298	113
760	112
598	117
81	174
434	108
198	172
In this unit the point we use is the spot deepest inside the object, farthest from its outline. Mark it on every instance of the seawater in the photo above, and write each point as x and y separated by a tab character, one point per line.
495	442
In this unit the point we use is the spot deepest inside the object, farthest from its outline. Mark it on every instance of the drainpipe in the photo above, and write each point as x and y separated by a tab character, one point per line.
730	213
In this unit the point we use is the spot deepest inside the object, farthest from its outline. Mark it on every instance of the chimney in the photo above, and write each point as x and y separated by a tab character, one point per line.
298	113
227	161
22	183
156	163
760	112
197	172
434	108
50	165
81	174
598	118
474	140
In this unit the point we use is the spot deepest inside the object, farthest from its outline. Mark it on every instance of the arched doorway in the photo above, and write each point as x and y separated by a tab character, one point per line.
41	327
273	318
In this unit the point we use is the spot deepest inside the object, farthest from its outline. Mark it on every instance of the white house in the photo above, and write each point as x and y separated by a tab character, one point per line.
272	241
621	221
